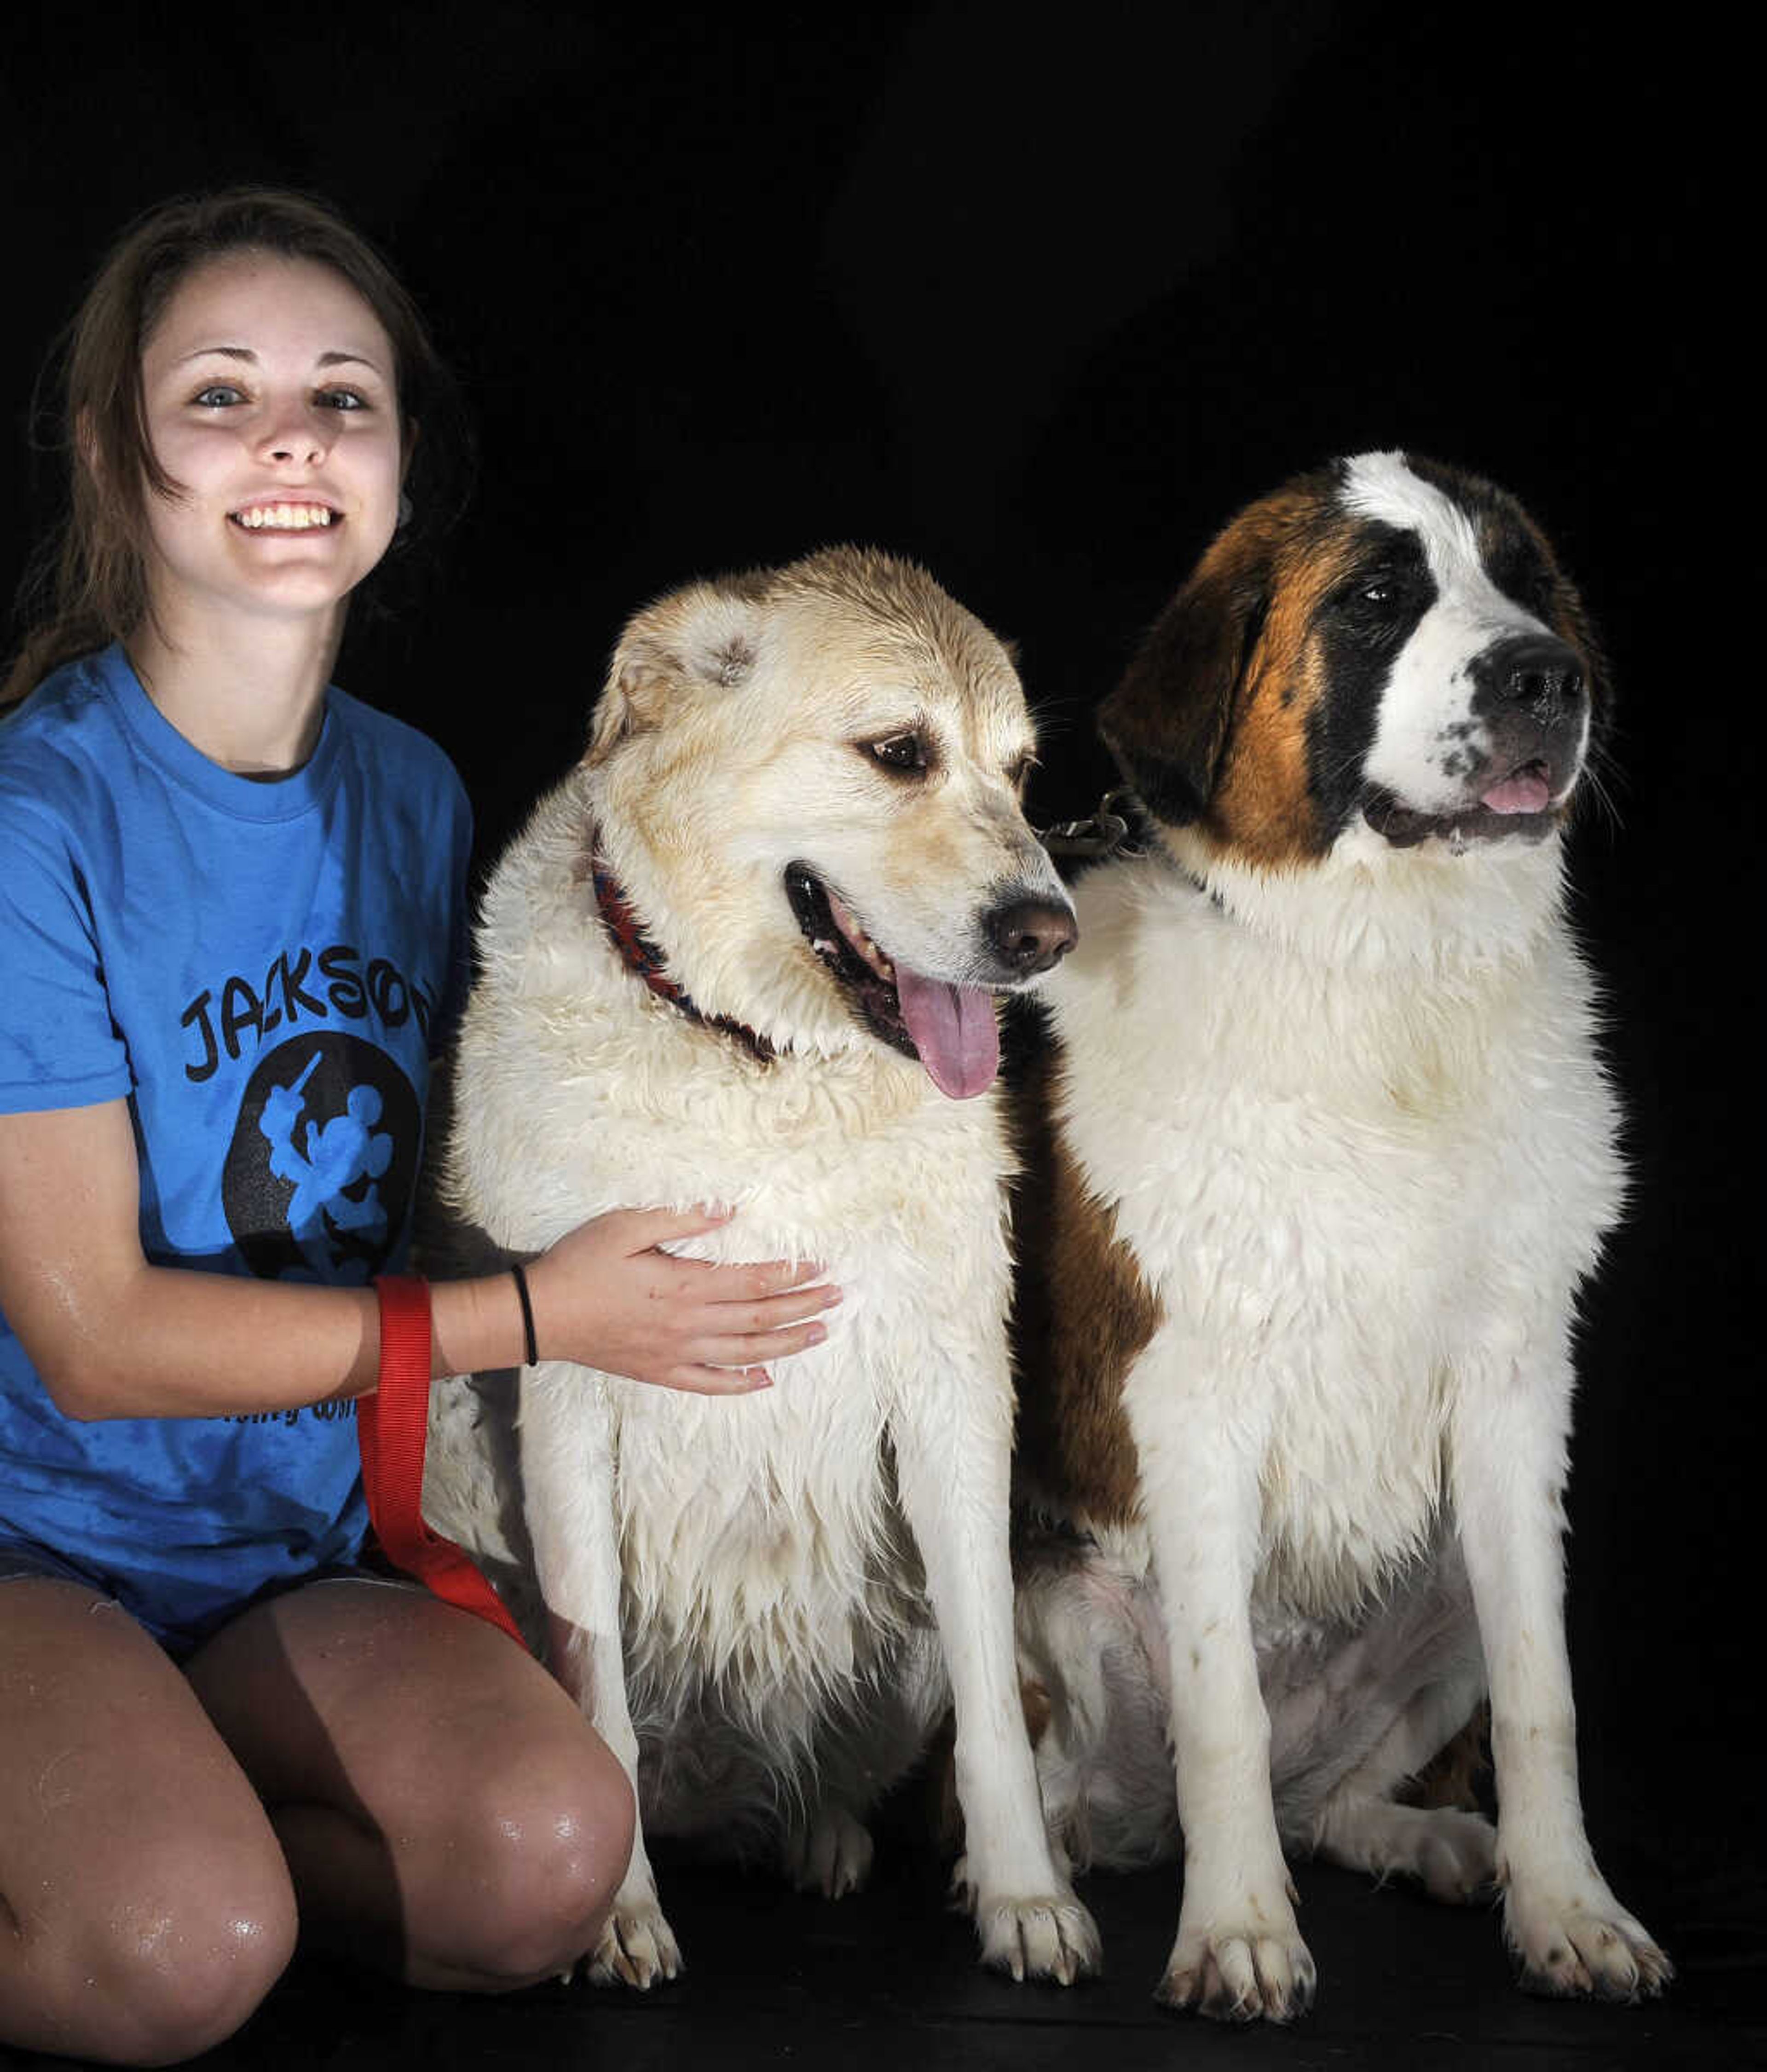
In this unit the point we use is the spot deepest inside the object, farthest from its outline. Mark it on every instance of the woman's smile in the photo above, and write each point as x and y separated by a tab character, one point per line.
271	406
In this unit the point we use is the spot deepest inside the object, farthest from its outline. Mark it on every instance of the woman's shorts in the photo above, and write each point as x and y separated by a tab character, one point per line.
36	1564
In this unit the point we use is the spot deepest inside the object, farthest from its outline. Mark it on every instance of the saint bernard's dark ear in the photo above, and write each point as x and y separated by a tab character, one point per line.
707	638
1168	721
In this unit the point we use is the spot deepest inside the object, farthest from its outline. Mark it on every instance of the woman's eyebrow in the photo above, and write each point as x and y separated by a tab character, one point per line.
246	353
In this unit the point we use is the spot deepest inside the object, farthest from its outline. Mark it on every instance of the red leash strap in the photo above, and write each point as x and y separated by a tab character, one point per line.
393	1428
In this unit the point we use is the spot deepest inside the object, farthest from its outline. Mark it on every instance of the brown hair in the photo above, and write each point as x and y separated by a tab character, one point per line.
89	585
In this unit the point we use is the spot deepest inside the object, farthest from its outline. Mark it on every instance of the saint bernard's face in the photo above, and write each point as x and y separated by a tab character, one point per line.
1387	644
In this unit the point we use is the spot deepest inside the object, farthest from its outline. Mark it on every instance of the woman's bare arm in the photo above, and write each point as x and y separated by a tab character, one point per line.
112	1336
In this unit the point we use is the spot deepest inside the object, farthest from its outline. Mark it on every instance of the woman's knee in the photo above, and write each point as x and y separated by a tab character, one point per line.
161	2009
537	1857
168	1971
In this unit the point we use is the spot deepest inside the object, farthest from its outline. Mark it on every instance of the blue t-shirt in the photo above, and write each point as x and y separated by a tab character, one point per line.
262	970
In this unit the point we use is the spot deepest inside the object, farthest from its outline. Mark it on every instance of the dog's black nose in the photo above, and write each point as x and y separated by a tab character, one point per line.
1540	675
1031	935
1530	692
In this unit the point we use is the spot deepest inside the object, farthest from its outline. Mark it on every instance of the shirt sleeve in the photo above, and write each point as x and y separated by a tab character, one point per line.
60	1045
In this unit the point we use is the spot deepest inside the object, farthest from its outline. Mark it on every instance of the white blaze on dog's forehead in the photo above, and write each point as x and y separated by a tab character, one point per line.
1428	736
1383	486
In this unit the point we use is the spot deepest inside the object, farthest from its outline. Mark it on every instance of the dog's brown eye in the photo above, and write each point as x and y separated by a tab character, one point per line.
899	751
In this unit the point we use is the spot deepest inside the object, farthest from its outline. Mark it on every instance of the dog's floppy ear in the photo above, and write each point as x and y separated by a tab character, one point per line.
1168	721
638	680
705	638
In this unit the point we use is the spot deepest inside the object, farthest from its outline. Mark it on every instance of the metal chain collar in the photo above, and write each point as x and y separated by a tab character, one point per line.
1105	833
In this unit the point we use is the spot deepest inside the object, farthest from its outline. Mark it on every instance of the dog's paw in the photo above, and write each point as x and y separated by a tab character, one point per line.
1455	1856
1254	1968
833	1855
1582	1943
1051	1938
638	1947
1451	1853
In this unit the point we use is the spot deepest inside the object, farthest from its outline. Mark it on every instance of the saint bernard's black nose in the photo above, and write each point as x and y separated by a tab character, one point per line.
1532	673
1029	935
1530	691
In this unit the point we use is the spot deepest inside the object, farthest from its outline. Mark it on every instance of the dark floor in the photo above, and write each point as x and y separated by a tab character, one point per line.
888	1979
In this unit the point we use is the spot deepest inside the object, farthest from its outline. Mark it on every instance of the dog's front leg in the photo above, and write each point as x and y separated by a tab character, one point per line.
567	1476
1239	1953
1511	1426
953	1457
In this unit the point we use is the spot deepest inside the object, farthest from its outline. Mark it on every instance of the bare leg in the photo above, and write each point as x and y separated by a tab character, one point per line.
446	1812
144	1907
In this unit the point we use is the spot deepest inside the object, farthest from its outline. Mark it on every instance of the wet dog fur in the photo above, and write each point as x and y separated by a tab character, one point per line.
1321	1153
803	785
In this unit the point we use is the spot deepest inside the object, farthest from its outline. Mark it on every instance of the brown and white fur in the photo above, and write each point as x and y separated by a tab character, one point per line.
806	783
1329	1150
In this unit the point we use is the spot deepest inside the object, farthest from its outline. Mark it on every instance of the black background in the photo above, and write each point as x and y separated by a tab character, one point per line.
1040	305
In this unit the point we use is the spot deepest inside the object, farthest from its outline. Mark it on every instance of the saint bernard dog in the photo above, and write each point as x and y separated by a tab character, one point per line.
748	953
1325	1150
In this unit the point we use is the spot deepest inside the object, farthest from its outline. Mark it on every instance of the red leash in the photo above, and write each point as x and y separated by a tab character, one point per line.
393	1429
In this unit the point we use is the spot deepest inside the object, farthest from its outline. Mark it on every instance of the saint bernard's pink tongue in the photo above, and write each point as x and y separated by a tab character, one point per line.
953	1030
1527	791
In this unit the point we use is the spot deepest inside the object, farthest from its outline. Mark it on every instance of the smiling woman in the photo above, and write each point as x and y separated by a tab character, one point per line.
91	584
272	407
198	1179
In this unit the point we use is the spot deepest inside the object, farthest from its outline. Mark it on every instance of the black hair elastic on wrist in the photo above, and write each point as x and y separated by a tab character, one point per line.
527	1316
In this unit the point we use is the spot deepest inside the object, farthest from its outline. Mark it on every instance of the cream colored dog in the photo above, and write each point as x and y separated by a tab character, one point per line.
747	952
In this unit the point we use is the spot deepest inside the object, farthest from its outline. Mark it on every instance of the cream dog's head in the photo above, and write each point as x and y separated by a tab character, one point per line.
807	783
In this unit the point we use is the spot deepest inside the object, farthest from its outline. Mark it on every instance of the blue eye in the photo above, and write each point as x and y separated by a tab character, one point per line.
217	395
341	399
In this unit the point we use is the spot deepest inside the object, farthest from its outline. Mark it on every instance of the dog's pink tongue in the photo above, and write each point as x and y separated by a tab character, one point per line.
953	1030
1527	791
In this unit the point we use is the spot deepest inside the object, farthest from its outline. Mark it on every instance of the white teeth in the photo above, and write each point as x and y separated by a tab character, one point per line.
860	941
285	517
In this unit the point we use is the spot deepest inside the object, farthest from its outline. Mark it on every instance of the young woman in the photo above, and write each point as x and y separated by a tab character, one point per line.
230	926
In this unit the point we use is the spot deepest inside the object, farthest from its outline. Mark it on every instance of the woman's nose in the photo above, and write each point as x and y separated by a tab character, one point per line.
294	432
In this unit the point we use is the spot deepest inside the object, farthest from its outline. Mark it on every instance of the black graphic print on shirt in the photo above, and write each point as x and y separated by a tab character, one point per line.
320	1176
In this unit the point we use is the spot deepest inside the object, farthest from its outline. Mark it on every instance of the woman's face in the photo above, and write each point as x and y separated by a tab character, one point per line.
271	401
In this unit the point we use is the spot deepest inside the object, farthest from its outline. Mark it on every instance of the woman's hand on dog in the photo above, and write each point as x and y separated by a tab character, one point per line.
608	1296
